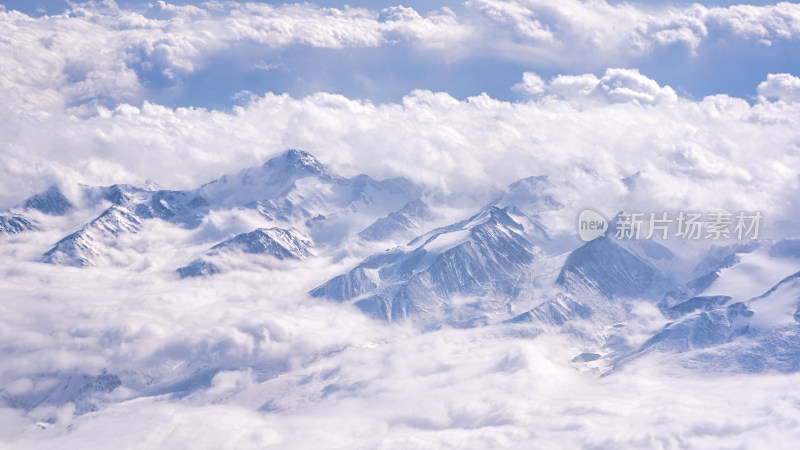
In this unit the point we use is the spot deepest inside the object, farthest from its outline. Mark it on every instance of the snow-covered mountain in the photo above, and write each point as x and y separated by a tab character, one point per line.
293	190
725	332
598	279
605	268
532	195
276	242
51	202
129	207
11	223
399	223
466	272
83	246
500	266
280	243
761	334
705	274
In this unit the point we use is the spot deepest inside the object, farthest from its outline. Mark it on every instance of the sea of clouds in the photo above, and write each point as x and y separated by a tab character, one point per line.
267	365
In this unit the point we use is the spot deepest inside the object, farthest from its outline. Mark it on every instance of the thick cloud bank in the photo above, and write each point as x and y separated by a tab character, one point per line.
127	354
96	52
718	152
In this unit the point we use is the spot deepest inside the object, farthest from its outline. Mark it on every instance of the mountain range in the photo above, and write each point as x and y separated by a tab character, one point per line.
502	265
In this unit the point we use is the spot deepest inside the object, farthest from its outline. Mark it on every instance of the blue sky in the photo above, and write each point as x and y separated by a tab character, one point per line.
723	61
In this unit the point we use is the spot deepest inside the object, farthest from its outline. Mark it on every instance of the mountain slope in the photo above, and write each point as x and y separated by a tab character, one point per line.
482	257
82	247
51	202
277	242
11	223
758	335
296	190
292	190
603	267
398	223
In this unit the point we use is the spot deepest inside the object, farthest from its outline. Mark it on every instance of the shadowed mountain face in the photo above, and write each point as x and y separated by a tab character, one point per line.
598	279
603	267
198	268
480	258
83	390
51	202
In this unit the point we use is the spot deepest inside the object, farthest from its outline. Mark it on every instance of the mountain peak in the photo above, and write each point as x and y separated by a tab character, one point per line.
278	242
301	157
51	202
293	160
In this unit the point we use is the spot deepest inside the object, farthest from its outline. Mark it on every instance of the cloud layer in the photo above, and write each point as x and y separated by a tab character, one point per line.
720	152
98	52
247	358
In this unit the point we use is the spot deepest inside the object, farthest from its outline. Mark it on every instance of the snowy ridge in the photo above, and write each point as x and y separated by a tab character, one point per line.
277	242
11	223
280	243
292	190
760	334
407	220
482	257
82	247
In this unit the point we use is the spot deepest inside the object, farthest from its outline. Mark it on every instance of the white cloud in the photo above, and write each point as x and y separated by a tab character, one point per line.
782	86
531	84
98	52
575	33
448	387
768	22
574	86
615	86
269	366
629	85
629	121
92	52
